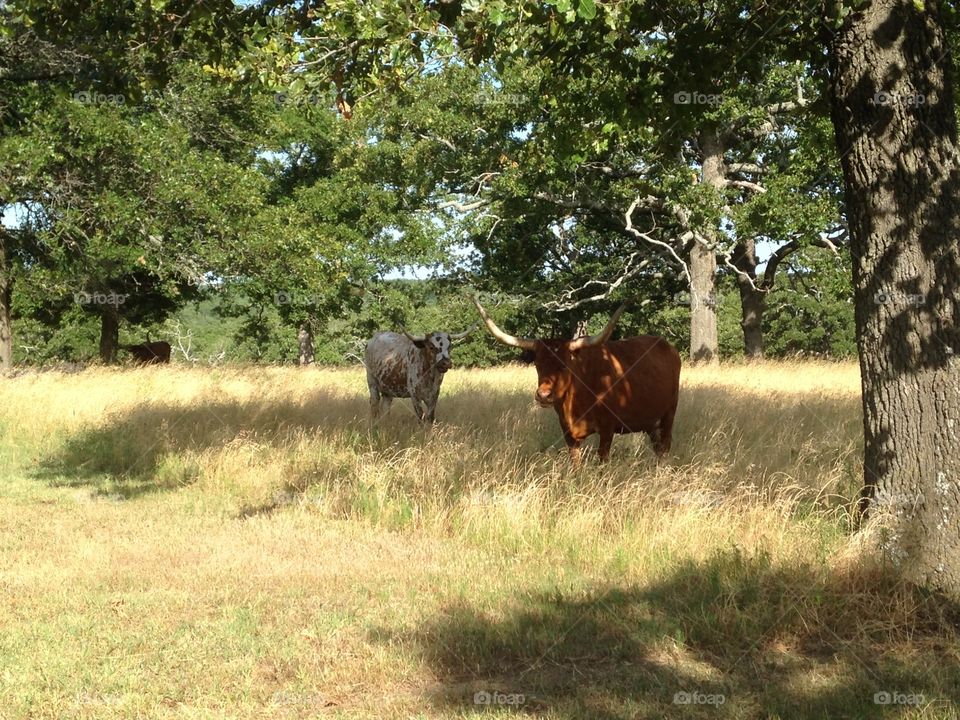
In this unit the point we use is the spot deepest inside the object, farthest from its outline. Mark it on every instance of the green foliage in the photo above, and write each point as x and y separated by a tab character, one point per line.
810	312
672	321
133	210
137	181
546	120
554	173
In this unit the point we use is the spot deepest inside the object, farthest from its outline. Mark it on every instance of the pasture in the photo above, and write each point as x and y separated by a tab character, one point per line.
212	543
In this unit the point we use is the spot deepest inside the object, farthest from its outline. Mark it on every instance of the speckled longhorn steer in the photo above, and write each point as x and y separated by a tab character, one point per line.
408	366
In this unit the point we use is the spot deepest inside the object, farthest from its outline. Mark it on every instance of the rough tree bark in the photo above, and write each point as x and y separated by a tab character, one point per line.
752	298
305	339
6	298
895	125
109	333
703	263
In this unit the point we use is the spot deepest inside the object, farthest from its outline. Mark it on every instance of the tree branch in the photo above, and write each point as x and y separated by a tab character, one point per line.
746	185
628	226
612	172
779	255
750	168
461	207
789	105
629	270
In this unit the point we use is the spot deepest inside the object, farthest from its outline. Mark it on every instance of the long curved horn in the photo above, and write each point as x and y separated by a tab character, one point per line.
461	335
413	338
603	336
524	343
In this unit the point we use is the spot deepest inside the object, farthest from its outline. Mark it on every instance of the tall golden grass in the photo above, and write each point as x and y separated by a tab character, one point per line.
183	542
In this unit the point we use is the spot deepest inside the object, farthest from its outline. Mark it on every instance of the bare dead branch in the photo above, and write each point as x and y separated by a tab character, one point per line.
436	138
746	185
571	203
461	207
630	268
628	226
725	257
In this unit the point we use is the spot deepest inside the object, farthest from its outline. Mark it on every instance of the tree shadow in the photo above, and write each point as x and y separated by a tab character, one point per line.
731	637
150	447
154	446
146	448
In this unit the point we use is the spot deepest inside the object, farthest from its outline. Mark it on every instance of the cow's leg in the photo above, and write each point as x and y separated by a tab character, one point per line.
417	408
655	435
431	405
385	401
374	401
606	440
573	445
664	435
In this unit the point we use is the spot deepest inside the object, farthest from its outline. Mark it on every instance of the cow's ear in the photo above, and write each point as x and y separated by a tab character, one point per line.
527	357
420	344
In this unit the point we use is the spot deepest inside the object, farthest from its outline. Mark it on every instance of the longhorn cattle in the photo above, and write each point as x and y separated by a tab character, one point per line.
408	366
149	352
604	387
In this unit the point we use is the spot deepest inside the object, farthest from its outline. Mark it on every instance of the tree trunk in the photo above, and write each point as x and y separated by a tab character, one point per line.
6	298
109	333
703	264
752	304
305	338
893	114
703	315
752	300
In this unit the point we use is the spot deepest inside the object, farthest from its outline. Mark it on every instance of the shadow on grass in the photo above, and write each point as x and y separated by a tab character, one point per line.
147	447
150	447
772	642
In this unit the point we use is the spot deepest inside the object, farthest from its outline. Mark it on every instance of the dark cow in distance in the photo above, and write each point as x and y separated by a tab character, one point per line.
149	353
408	366
603	387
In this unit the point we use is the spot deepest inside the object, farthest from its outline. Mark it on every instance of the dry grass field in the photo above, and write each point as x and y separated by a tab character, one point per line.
236	543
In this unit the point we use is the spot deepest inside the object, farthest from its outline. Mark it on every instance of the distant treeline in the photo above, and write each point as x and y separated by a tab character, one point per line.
227	327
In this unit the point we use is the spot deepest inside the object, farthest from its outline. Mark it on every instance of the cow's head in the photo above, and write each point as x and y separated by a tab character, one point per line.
436	346
552	358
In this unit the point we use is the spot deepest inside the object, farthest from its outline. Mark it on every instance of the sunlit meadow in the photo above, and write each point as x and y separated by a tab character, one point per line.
237	542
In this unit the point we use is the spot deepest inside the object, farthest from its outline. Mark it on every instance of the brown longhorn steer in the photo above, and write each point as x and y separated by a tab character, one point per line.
603	387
